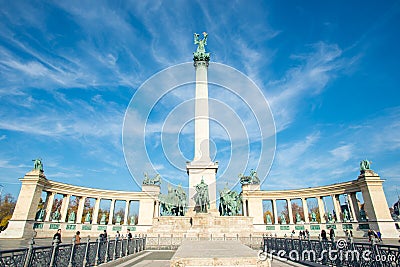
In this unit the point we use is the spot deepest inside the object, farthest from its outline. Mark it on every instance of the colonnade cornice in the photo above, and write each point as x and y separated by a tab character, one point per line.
327	190
67	189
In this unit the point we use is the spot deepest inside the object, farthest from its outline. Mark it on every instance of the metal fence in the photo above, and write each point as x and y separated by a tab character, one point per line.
173	242
341	252
90	253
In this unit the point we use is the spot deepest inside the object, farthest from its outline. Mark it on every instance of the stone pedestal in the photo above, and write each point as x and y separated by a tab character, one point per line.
148	205
23	219
375	204
198	170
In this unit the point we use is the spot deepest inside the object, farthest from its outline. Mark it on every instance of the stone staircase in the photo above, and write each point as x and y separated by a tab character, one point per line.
201	224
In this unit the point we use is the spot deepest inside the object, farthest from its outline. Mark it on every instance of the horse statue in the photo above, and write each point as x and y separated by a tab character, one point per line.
230	203
174	203
156	180
365	165
251	179
37	164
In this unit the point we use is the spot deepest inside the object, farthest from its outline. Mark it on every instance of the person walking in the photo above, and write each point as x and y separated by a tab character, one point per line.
323	235
332	234
129	234
57	235
77	237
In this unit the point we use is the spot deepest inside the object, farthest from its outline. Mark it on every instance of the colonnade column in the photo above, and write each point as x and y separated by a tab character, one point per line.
275	210
157	209
289	205
321	209
64	207
79	212
49	205
126	212
111	215
305	210
244	208
336	206
352	198
96	211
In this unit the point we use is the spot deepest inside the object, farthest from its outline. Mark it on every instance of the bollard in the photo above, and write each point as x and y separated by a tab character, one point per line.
85	259
55	248
107	246
72	252
29	253
97	259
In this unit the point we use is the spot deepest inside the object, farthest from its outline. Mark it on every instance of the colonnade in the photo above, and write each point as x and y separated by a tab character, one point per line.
35	183
375	216
352	205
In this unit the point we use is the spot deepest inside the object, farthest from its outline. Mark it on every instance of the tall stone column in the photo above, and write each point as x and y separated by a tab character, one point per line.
336	206
126	212
375	204
202	167
355	211
64	207
96	211
79	212
244	207
305	210
289	205
111	215
275	211
49	205
23	218
321	208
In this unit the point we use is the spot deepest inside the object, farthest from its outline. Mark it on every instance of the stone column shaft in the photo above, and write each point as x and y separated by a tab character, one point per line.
336	206
64	207
289	205
110	217
49	205
275	211
81	206
321	208
355	211
201	121
305	210
96	211
126	212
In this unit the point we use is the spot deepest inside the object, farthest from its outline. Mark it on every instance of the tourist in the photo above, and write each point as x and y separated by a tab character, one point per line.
379	234
117	236
323	235
129	234
77	238
57	235
332	234
307	234
103	236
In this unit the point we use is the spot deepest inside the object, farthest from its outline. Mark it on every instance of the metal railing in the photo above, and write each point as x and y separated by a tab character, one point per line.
90	253
341	252
173	242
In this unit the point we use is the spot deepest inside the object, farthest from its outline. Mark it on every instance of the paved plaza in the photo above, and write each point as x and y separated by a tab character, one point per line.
162	259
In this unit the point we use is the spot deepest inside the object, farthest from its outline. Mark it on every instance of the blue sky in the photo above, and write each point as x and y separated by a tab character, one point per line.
329	71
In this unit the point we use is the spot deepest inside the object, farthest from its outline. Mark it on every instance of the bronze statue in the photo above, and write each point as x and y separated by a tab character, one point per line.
156	180
201	197
252	179
230	203
38	165
200	53
174	203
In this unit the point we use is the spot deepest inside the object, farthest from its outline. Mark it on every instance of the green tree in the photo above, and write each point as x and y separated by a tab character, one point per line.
7	205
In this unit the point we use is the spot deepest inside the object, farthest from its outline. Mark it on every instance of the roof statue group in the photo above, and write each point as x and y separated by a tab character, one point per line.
200	54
